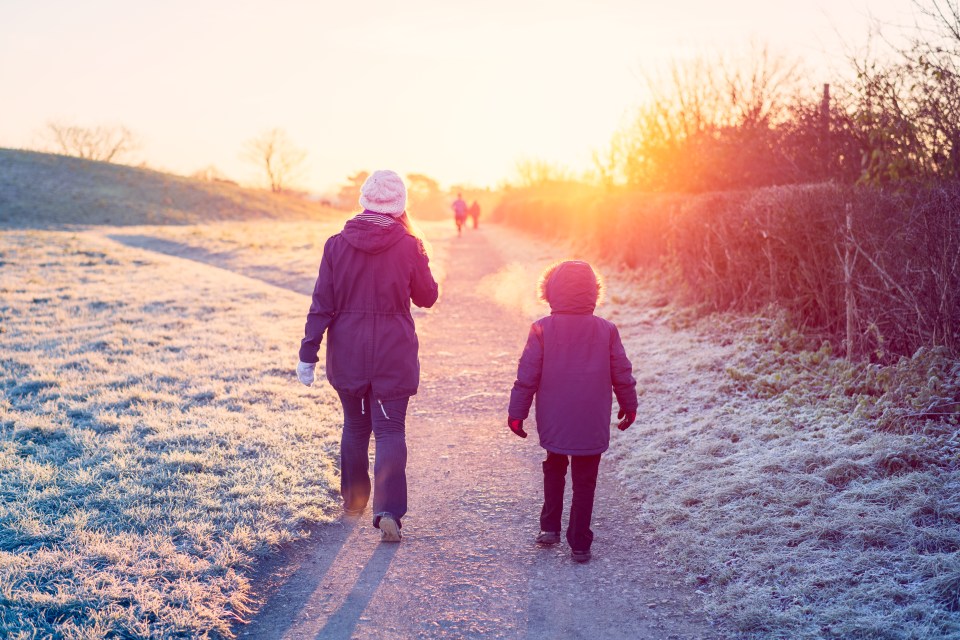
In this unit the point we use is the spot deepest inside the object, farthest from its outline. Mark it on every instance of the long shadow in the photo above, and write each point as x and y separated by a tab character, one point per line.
295	281
343	622
325	593
309	568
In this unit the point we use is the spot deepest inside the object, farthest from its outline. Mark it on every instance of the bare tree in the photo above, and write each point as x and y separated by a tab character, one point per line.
277	156
934	65
946	17
908	106
103	143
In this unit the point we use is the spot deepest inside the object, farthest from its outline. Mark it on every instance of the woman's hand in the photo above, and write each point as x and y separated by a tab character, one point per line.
305	372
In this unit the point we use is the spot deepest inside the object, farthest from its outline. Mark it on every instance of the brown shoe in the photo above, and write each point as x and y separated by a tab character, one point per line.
548	538
389	529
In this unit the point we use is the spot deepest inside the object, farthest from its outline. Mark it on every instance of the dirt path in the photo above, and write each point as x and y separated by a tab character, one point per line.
468	567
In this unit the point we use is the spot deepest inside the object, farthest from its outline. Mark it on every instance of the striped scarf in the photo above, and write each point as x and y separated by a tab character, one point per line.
379	219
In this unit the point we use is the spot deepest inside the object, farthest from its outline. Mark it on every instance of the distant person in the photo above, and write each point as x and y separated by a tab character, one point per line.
474	213
369	273
570	362
459	212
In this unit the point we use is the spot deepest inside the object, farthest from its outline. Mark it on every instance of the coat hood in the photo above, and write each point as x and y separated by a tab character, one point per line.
370	237
571	287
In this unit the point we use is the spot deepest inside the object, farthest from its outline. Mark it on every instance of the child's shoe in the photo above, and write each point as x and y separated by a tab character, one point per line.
389	529
548	538
580	556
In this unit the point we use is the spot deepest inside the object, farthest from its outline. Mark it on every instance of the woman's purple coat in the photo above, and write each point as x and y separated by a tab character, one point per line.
368	276
571	362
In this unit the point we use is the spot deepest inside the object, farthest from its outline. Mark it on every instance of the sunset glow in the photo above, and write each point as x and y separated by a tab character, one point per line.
460	93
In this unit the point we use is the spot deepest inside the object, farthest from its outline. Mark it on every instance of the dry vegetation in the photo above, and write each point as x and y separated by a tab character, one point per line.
784	246
152	439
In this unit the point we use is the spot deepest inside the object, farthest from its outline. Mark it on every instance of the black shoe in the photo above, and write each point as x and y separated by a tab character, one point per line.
548	538
580	556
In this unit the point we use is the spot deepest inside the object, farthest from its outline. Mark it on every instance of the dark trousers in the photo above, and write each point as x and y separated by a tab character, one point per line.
387	422
583	474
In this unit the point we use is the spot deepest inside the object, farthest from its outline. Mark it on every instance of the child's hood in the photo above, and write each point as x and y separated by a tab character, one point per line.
570	287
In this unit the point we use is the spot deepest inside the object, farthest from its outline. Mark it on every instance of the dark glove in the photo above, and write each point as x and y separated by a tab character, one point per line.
626	419
516	426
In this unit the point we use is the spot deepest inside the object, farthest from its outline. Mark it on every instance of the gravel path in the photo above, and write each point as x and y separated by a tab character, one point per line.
468	566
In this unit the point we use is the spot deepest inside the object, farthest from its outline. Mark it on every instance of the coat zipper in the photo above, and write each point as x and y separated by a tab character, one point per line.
384	410
363	411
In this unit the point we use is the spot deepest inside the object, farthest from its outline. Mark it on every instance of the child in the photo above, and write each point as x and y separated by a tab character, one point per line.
571	361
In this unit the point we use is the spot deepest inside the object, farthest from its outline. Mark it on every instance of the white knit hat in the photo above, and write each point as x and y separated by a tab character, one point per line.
384	192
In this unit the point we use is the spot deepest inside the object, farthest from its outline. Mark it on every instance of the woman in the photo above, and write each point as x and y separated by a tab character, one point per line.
369	273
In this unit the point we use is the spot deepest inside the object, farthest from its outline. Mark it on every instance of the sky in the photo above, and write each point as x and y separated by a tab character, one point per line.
460	91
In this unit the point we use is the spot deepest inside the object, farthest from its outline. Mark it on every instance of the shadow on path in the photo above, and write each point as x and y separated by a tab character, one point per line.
324	589
344	620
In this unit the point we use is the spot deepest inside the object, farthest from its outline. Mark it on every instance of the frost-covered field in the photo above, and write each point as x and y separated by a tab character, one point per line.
282	253
774	480
153	438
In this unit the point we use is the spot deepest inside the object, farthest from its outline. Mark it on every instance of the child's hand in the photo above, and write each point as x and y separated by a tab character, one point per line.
626	419
516	426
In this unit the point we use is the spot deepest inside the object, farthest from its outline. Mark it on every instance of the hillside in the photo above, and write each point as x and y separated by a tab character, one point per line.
41	189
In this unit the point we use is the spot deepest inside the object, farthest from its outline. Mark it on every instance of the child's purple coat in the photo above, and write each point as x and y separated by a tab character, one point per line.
571	362
368	276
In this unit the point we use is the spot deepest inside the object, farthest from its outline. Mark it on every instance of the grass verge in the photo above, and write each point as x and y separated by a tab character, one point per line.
805	496
153	439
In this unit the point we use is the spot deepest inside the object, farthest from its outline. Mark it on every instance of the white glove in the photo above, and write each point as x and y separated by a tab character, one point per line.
305	372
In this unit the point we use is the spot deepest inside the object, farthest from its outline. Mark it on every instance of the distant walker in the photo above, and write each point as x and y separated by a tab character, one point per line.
459	207
474	213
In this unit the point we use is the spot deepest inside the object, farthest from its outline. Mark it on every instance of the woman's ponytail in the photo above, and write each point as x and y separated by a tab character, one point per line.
414	230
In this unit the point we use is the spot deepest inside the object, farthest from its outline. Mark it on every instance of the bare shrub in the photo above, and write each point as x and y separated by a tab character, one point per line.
103	143
905	103
538	173
785	247
718	123
211	173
